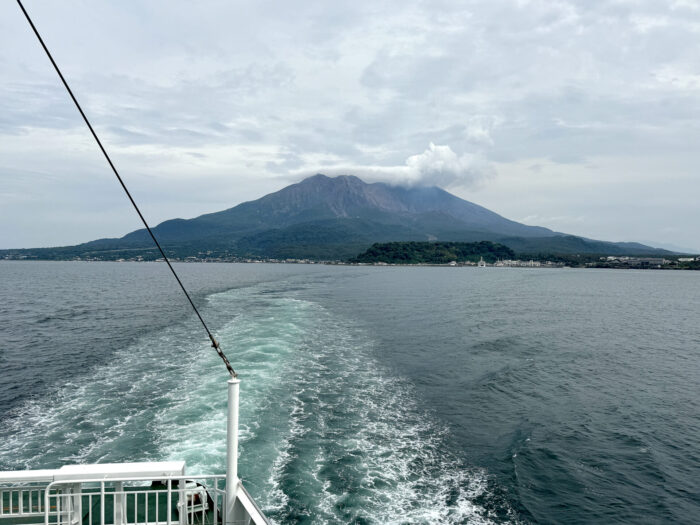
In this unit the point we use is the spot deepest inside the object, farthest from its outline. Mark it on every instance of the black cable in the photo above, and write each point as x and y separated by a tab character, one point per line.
214	342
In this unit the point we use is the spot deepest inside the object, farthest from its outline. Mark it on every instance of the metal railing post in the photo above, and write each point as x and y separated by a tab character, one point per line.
232	451
47	505
119	504
182	502
102	503
170	501
77	504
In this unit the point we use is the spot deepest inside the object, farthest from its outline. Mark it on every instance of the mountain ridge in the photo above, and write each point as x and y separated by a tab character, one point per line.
324	198
337	217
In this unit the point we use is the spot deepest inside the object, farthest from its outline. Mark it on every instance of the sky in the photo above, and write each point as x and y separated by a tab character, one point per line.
583	117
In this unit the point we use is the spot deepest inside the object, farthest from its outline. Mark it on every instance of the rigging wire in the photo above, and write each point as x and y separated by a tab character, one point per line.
214	342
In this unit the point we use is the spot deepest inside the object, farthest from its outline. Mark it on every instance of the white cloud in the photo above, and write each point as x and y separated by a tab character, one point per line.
438	165
677	78
248	97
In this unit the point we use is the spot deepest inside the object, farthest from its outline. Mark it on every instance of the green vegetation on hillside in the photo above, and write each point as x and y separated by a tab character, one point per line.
333	219
434	252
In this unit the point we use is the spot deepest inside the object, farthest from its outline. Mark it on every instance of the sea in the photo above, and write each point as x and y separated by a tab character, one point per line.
369	395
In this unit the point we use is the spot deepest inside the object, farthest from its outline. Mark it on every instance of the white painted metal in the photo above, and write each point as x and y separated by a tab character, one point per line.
119	503
126	499
231	512
153	470
254	513
65	496
18	476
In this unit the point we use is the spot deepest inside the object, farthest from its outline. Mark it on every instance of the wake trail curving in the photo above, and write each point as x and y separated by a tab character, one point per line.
327	434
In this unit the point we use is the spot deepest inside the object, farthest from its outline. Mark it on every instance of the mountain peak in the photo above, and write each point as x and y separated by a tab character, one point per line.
420	213
339	217
320	197
320	178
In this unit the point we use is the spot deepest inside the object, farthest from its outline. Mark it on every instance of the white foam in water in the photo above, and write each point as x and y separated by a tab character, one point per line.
325	432
108	416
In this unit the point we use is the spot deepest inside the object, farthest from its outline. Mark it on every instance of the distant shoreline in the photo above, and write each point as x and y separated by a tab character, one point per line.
365	265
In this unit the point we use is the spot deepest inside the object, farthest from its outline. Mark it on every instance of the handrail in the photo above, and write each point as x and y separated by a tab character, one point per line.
60	499
64	494
27	476
149	478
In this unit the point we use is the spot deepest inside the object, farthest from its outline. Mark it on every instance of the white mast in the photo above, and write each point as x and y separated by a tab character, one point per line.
232	452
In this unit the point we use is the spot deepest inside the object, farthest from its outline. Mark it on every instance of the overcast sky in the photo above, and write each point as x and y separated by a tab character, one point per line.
583	117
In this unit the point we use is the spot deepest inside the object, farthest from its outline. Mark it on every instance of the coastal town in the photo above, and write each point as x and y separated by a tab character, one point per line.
610	261
647	263
651	263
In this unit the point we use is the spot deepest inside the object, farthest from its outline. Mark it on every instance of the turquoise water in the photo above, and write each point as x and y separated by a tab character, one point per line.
370	395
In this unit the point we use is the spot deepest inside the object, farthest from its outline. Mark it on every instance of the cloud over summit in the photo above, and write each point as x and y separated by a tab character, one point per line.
438	165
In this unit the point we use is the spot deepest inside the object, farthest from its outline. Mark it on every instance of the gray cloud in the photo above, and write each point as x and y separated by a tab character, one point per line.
245	98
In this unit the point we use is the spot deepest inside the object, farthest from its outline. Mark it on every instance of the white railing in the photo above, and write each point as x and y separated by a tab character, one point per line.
167	500
151	493
182	500
22	501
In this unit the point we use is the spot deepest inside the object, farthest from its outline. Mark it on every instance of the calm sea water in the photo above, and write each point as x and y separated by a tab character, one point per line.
370	395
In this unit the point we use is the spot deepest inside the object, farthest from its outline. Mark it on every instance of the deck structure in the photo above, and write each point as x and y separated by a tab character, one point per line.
153	493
